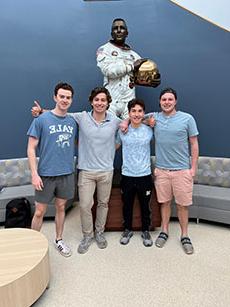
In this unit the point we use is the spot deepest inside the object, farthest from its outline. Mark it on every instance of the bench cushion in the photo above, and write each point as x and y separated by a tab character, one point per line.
211	197
14	172
213	171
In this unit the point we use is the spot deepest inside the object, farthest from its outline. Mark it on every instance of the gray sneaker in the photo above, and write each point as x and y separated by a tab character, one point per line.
100	239
84	244
147	240
187	245
125	237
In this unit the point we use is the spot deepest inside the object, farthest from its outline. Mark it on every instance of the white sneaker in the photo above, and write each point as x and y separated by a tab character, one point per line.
63	249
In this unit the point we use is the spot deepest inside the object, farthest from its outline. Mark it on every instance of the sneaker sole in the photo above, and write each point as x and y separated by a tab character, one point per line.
102	246
160	242
82	251
148	244
159	245
125	243
187	245
66	255
190	252
63	254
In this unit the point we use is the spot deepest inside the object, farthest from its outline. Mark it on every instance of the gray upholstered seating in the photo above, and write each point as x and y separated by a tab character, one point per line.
16	179
211	194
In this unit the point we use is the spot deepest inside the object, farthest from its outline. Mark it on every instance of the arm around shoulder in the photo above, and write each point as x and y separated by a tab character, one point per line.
77	116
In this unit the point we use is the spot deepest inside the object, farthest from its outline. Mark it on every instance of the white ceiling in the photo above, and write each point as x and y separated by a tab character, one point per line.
214	11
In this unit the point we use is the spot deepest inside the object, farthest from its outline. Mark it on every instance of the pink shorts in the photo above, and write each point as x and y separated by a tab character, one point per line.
174	183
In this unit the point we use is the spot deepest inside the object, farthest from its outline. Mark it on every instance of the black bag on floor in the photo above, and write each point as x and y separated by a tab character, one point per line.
18	213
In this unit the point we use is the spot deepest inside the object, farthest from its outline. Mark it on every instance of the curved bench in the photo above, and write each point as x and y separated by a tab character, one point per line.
15	177
24	266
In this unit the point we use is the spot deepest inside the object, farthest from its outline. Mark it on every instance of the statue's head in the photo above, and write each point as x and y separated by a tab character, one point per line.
119	31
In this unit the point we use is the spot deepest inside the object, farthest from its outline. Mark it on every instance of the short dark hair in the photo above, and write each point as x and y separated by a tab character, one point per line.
98	90
118	19
64	86
136	101
168	90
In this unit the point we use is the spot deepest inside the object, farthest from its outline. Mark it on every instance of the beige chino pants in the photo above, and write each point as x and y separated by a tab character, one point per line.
87	183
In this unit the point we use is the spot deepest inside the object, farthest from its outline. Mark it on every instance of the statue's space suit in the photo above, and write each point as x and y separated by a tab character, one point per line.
116	63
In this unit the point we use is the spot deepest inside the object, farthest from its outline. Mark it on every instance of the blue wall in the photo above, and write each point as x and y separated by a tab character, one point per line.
44	42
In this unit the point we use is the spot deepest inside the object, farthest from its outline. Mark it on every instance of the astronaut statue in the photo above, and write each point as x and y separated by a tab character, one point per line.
117	61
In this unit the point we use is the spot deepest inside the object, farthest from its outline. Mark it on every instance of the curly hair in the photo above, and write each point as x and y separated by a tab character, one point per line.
98	90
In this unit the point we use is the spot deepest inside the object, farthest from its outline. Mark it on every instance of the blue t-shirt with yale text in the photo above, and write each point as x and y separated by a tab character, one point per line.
136	151
56	146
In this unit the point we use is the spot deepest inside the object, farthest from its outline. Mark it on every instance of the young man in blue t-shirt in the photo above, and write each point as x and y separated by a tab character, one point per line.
136	171
176	138
53	134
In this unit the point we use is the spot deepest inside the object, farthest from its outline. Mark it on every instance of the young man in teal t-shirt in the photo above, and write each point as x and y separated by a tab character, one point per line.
136	171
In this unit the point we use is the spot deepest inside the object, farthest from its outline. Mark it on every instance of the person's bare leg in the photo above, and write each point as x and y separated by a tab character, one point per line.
60	217
40	210
165	216
182	213
59	244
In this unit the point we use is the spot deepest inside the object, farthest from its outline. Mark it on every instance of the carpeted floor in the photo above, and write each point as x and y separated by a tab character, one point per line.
136	276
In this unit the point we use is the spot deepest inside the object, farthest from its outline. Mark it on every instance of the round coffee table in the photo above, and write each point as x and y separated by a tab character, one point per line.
24	266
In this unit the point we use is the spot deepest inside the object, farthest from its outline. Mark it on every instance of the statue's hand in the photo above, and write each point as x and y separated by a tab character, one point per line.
131	83
36	110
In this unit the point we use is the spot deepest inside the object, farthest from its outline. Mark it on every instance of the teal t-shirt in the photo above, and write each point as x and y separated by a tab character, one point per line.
136	151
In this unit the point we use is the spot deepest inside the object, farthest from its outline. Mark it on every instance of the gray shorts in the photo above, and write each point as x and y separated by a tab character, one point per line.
56	186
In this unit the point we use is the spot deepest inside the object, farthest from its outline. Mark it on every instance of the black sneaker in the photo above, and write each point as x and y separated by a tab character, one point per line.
147	240
125	237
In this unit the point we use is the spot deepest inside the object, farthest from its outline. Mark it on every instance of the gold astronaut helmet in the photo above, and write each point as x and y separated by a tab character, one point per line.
147	74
